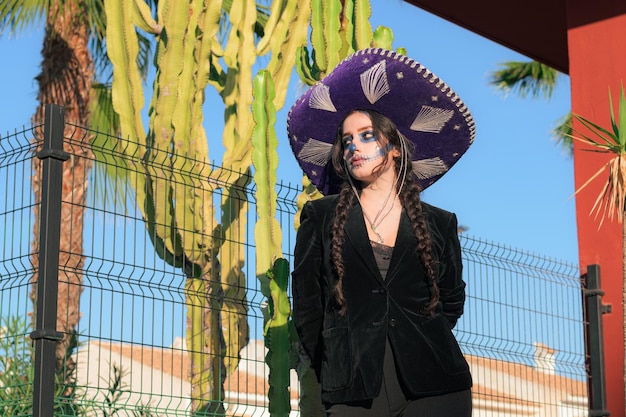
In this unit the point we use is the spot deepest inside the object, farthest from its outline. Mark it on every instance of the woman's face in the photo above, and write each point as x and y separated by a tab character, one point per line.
362	150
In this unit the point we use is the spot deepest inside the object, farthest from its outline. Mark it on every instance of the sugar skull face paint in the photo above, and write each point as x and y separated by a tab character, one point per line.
371	156
365	137
361	145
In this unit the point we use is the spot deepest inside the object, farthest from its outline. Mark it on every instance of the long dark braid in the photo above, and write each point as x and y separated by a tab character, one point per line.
346	200
409	195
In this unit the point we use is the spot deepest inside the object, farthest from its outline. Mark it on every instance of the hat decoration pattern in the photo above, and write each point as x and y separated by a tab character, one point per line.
425	110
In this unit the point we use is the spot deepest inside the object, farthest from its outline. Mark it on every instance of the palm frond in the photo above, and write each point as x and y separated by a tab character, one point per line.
562	134
97	30
263	15
527	78
144	58
17	15
610	201
111	185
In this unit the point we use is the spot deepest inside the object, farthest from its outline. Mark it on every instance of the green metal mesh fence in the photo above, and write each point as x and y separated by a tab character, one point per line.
523	329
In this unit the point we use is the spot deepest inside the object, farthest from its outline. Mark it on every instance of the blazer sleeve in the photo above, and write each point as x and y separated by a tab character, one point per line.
308	305
451	284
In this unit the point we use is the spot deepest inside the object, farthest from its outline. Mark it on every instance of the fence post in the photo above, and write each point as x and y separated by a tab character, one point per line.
594	309
45	335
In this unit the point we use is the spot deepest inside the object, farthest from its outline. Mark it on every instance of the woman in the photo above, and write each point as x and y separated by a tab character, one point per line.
377	279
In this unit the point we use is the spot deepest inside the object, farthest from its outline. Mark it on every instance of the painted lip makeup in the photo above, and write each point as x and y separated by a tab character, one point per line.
358	160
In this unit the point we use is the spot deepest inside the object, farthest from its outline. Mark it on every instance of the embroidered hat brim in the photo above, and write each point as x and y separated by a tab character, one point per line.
424	108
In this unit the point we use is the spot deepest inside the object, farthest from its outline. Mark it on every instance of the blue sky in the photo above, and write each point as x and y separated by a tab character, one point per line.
514	185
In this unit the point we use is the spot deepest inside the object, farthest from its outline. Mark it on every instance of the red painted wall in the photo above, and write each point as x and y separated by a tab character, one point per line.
597	63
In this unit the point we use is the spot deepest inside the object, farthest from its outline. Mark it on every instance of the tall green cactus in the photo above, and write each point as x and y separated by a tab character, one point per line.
278	340
174	185
265	159
267	234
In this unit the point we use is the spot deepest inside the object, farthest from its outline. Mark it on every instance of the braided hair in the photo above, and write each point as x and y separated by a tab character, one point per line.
409	195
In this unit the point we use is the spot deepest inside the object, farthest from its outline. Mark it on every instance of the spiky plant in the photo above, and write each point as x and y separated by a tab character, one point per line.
610	201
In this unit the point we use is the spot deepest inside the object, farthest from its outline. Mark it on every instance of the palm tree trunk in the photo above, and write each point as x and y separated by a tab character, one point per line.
65	79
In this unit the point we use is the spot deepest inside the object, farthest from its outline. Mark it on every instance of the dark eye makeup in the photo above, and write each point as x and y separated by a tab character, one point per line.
366	137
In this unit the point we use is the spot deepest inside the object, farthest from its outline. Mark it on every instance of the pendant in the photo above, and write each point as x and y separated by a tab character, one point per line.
380	238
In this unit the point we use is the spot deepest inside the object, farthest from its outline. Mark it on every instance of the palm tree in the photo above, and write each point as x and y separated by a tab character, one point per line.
68	66
532	78
66	75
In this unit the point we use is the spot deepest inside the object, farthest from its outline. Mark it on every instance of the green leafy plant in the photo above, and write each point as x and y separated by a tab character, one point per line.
16	368
17	373
17	376
110	405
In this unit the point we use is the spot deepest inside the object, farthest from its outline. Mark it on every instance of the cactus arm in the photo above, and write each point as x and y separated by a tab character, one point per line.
276	17
232	255
277	339
383	38
144	19
202	206
170	56
273	278
183	77
234	310
265	159
169	59
217	76
348	43
178	132
362	26
307	71
239	57
161	7
327	37
190	149
210	47
332	11
290	35
127	91
203	341
317	34
128	100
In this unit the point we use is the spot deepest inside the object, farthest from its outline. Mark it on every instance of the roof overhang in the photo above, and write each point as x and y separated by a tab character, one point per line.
534	28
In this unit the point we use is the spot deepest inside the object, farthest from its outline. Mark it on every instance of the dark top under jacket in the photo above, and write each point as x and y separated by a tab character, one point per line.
347	351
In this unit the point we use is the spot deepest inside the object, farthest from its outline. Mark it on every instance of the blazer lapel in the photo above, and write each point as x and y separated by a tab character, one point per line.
404	246
359	241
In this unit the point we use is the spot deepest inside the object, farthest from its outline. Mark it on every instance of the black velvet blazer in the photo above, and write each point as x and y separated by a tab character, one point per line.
347	351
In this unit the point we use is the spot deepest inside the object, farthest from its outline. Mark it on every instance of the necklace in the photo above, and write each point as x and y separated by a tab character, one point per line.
378	219
374	224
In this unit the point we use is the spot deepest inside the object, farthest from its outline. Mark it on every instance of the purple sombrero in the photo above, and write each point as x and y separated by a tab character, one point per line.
423	107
